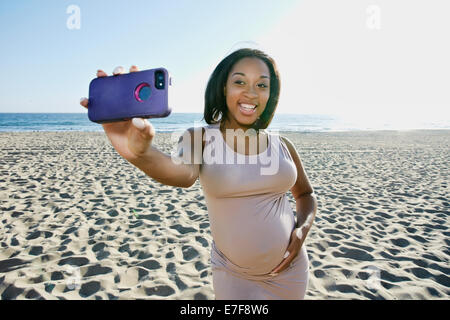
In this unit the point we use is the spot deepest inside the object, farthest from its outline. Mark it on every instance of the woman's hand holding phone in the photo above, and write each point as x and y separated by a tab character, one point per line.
130	138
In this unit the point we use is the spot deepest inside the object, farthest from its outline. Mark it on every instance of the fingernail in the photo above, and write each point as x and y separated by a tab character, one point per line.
138	123
118	70
273	274
286	255
82	99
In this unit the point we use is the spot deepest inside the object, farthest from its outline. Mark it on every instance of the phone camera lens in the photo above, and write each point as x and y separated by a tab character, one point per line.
159	79
142	92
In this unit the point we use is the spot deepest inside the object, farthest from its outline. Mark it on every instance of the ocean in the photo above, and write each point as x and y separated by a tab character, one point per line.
17	122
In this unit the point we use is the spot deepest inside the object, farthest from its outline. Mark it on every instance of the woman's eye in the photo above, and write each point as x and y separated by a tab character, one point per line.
261	85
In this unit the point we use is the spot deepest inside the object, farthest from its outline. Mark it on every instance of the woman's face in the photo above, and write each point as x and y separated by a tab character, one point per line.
247	91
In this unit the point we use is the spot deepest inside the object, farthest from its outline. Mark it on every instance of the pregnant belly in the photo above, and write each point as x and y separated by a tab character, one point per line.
255	241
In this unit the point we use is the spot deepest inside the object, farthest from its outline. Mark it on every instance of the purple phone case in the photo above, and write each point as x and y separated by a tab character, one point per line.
116	98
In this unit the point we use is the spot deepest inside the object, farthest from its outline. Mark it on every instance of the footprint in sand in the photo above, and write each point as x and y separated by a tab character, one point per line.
354	254
182	230
36	250
200	296
202	241
163	291
74	261
179	283
89	288
150	264
11	264
11	293
96	270
189	253
400	242
151	217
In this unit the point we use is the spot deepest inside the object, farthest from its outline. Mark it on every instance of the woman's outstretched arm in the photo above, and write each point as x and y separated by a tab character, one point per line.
132	139
179	170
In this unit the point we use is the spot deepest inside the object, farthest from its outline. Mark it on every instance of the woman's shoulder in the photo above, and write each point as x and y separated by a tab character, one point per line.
286	141
277	135
290	146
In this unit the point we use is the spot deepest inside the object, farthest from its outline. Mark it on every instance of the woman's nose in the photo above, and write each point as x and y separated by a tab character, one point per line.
251	92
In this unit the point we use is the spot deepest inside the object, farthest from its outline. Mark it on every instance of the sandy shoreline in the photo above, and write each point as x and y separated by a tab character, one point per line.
79	222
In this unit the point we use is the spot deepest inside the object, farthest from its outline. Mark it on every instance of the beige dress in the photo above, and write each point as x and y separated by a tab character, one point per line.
251	220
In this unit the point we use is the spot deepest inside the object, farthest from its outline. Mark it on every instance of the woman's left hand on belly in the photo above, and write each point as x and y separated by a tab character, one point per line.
298	236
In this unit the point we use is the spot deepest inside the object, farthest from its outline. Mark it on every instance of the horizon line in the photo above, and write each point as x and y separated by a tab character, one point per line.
327	114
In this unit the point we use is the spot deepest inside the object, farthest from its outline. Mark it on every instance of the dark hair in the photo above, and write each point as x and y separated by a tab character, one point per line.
215	100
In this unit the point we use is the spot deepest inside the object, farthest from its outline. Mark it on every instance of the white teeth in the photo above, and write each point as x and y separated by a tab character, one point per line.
248	106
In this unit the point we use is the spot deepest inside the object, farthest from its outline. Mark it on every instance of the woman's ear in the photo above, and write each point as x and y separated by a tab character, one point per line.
225	91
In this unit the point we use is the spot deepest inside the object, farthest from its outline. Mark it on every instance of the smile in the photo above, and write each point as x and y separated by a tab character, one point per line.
247	109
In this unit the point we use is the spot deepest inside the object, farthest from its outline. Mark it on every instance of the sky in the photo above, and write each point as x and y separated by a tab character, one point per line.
358	58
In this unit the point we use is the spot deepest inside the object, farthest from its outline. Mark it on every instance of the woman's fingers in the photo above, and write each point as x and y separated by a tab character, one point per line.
118	70
144	127
281	266
101	73
121	70
138	123
290	254
140	136
84	102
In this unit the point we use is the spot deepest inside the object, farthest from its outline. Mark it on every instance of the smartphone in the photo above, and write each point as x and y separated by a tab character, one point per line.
142	94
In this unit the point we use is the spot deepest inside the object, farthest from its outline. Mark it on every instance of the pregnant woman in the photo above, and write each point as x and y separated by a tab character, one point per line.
245	173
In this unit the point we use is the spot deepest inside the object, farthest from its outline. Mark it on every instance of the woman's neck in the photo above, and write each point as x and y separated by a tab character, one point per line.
233	125
244	136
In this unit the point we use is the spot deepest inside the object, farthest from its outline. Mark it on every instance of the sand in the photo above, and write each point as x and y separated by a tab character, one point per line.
79	222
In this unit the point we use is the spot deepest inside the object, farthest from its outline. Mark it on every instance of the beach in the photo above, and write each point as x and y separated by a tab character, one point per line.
77	221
